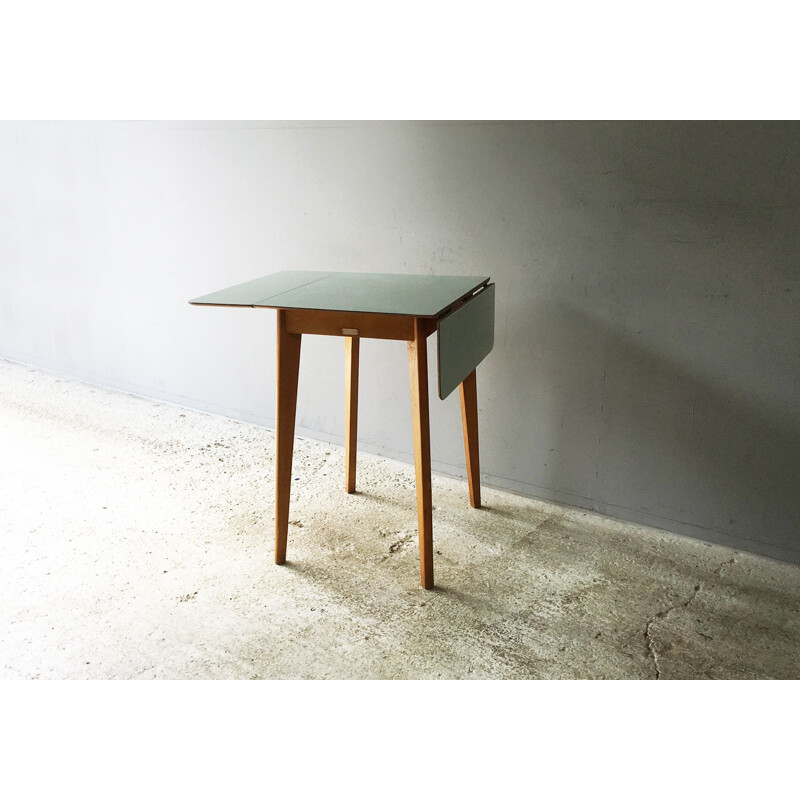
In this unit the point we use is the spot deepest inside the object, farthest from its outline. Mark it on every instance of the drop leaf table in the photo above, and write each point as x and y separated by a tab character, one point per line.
378	306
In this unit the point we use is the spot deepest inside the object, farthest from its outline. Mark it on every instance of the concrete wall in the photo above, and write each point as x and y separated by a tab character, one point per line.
646	358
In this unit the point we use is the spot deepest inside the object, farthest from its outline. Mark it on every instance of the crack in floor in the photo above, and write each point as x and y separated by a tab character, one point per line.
651	649
400	543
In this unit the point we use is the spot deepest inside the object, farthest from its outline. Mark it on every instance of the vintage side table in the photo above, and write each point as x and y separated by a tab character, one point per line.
378	306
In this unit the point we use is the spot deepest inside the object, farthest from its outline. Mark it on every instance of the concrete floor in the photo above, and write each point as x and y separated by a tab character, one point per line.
136	542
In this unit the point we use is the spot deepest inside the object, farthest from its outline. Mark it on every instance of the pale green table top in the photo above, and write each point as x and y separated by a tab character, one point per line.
378	293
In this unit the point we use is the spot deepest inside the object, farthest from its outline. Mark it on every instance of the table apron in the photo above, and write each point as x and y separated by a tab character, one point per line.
344	323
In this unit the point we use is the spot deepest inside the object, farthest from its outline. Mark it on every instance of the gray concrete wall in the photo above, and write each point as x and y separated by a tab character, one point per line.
646	358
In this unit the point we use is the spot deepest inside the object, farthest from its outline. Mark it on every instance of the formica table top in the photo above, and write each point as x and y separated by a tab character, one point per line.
379	293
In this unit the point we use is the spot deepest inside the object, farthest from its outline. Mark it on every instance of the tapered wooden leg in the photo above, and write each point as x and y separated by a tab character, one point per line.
469	420
418	375
286	408
351	409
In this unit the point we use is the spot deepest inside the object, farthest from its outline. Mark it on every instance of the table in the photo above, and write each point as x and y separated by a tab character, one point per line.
380	306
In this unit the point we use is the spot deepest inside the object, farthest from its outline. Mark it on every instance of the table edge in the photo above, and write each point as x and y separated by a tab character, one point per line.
264	304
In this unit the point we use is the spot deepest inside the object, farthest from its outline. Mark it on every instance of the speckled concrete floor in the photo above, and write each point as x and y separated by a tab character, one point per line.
136	542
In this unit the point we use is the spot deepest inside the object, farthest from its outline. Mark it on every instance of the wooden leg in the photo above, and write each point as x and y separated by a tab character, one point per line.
351	410
418	375
469	420
286	408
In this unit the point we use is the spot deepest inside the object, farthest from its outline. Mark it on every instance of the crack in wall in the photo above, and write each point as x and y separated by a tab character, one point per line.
651	648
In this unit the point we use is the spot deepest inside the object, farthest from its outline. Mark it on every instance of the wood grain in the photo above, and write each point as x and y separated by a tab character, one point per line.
418	378
351	345
285	411
331	323
468	389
